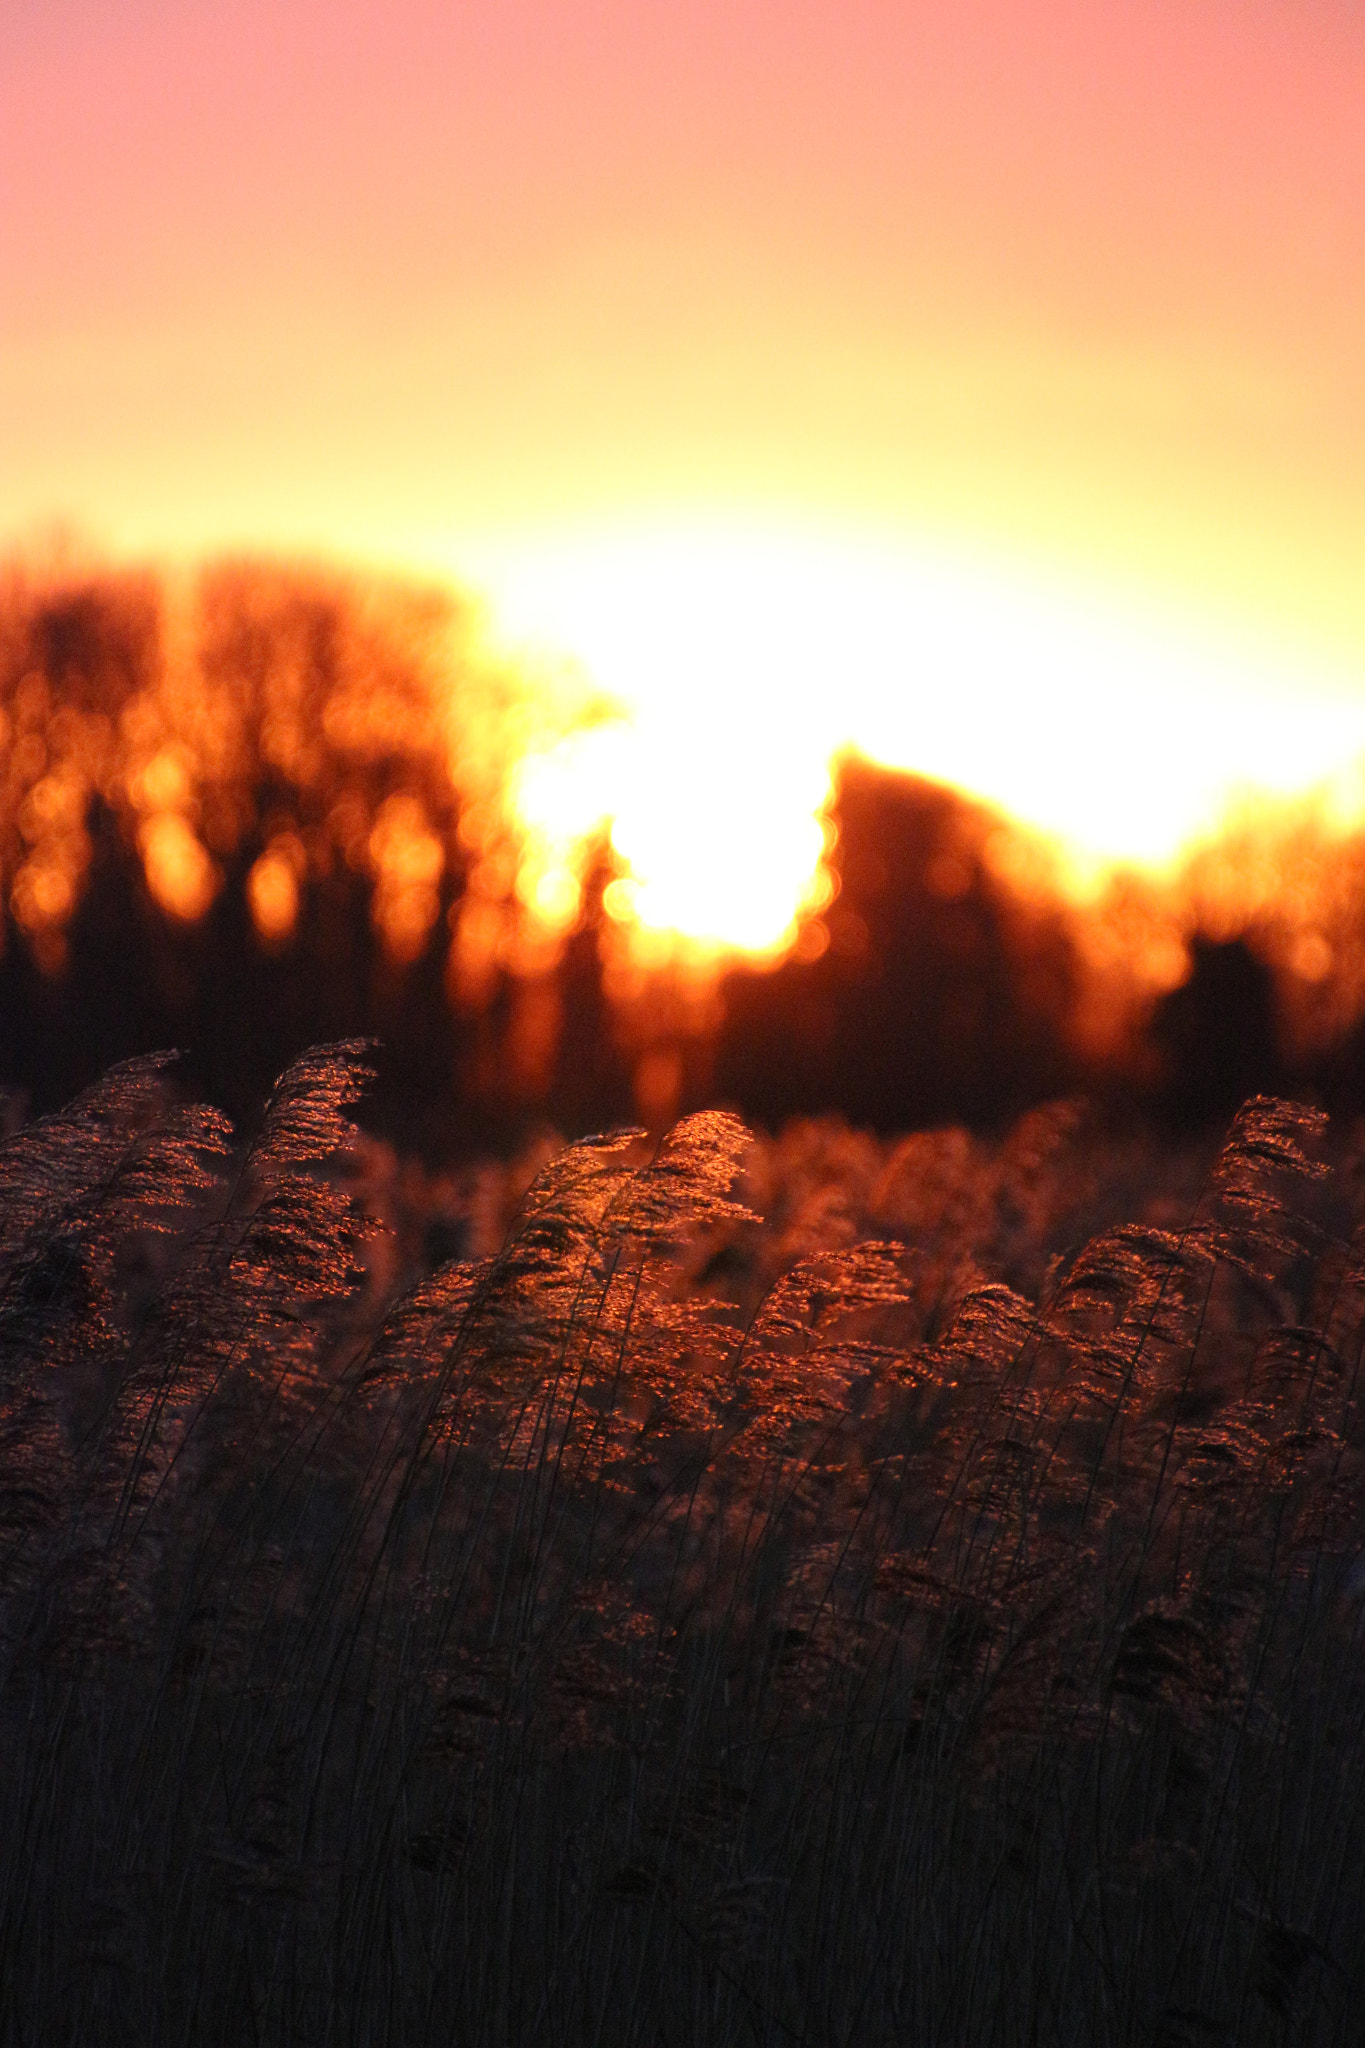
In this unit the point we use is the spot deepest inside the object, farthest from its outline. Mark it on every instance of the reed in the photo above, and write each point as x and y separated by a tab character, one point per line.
901	1615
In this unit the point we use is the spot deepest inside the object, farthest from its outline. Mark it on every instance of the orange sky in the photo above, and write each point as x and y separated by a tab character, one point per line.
1085	277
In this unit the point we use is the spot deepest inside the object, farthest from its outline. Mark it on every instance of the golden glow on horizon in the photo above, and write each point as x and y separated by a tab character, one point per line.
316	737
744	662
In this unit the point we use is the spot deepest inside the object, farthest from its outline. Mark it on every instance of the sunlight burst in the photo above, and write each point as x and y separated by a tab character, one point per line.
745	662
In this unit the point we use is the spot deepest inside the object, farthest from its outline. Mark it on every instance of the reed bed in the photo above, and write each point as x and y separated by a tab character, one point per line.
676	1625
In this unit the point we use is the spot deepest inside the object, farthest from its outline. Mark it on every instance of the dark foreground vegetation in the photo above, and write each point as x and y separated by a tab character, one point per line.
924	1613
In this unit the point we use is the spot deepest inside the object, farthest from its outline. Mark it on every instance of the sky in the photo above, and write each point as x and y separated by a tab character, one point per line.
1084	276
1077	286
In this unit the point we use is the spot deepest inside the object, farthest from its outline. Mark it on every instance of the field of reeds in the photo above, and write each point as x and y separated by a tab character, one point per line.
793	1590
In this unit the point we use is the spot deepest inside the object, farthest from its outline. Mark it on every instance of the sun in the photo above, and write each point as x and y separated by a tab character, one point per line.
741	661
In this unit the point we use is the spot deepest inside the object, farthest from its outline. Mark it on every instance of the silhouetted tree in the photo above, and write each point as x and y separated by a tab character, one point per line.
1215	1035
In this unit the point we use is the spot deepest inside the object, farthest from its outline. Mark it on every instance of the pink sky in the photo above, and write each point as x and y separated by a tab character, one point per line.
1080	276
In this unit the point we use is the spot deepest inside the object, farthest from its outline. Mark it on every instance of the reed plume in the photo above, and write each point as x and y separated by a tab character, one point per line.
661	1621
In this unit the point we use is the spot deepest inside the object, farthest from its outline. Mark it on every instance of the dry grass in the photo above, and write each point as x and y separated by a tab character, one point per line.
926	1611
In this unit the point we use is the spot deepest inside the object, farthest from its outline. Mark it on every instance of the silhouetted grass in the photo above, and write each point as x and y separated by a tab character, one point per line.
953	1638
